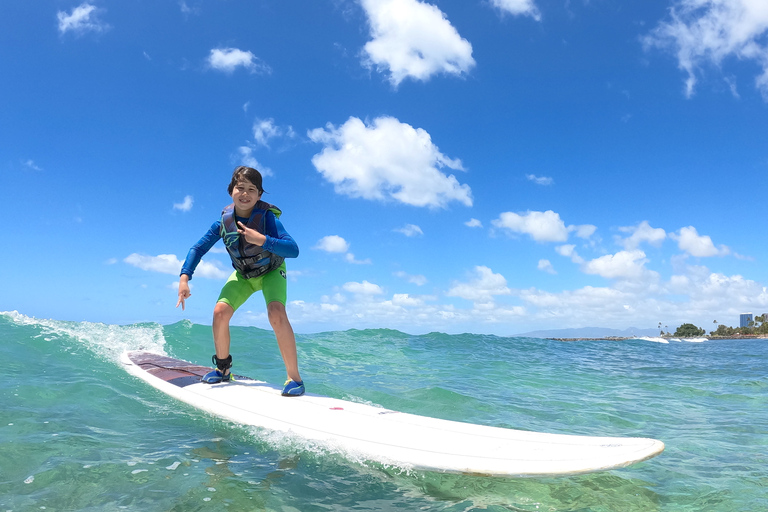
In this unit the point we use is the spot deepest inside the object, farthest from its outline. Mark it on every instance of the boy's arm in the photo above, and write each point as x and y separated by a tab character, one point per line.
193	258
184	292
278	241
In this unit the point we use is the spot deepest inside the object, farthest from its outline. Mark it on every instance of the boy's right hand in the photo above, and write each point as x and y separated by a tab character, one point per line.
184	292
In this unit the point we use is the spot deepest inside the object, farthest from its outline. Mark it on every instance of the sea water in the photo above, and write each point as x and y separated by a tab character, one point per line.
78	433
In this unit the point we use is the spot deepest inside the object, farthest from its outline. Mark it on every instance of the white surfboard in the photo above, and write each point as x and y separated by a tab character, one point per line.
390	437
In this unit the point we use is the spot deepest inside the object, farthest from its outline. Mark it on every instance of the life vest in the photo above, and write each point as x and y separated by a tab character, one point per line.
247	258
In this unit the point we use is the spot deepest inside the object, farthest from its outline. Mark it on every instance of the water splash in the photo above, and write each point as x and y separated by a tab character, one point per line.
105	341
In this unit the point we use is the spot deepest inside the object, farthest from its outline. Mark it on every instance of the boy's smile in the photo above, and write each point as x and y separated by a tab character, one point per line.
245	195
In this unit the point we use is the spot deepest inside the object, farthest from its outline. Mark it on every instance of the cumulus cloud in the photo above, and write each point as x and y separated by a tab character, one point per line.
82	19
351	259
170	264
622	265
246	158
336	244
700	246
546	266
541	226
185	205
642	233
418	280
405	300
229	59
412	39
410	230
332	243
265	129
700	32
583	231
482	288
540	180
365	288
569	251
30	164
517	8
387	160
473	223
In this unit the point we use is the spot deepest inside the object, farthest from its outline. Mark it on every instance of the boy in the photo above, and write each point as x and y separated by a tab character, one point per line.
257	244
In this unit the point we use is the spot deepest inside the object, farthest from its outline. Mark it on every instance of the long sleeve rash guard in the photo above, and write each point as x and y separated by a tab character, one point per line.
278	242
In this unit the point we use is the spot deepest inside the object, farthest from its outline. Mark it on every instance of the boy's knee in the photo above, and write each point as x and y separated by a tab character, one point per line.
276	313
222	311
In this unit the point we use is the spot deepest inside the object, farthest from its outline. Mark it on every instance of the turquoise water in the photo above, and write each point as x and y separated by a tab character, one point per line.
78	433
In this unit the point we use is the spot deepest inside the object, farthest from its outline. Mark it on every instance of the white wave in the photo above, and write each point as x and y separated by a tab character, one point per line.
106	341
689	340
655	340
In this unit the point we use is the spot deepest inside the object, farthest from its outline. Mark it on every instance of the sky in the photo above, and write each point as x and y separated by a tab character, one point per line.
484	166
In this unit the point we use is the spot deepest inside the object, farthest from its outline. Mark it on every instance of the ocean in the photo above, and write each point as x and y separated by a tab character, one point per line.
78	433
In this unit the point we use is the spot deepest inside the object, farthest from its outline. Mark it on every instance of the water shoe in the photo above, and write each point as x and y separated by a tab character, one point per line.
293	388
215	376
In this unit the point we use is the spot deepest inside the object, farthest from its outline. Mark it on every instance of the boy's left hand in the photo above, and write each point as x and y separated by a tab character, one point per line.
251	235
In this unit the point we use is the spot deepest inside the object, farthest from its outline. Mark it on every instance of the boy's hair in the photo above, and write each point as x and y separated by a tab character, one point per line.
245	173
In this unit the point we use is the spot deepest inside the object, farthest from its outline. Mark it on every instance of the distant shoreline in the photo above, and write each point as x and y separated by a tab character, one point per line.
623	338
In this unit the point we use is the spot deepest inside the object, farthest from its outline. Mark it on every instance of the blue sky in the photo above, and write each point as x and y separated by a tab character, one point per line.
487	166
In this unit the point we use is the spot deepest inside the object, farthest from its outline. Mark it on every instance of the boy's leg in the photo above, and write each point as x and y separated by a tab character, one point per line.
235	292
274	287
222	314
286	341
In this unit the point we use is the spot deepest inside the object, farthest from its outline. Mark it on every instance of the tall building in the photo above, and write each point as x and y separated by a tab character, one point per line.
744	319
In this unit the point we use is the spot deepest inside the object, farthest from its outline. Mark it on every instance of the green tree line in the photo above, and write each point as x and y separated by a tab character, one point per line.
756	327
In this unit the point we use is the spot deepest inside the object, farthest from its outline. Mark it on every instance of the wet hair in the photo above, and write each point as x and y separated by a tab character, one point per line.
245	173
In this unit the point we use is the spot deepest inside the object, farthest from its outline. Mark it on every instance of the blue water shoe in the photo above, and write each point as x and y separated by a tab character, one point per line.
215	376
293	388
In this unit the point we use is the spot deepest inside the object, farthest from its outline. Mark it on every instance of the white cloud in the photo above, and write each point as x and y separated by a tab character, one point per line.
185	205
83	18
332	243
701	32
387	160
569	251
546	266
229	59
482	288
539	180
351	259
30	164
700	246
170	264
246	158
473	223
622	265
583	231
403	299
337	245
518	7
541	226
265	129
164	263
642	233
410	230
365	288
418	280
413	39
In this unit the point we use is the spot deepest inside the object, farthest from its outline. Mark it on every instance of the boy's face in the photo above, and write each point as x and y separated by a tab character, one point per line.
245	195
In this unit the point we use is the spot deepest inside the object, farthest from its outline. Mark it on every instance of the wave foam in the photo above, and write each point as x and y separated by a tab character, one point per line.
106	341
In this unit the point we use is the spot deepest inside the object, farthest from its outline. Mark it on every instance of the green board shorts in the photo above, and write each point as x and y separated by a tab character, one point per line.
238	289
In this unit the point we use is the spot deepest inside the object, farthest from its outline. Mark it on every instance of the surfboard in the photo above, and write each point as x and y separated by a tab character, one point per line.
368	432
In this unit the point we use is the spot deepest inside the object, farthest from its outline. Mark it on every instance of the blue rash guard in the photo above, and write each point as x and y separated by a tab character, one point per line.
278	242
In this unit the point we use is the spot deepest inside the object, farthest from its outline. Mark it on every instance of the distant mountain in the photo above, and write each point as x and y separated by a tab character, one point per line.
591	332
